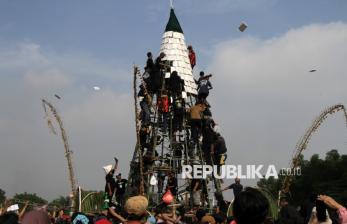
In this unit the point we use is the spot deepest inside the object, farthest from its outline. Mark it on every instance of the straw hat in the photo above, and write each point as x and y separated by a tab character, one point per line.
136	205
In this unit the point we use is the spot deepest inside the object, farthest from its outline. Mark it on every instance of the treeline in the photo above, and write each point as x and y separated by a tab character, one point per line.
33	200
318	176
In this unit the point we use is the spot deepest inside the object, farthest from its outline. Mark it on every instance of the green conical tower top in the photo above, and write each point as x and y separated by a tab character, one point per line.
173	24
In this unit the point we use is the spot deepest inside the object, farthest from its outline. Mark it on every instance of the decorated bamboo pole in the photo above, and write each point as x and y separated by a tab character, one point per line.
305	139
65	141
138	126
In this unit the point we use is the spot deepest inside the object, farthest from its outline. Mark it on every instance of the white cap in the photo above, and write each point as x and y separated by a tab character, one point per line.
13	208
107	168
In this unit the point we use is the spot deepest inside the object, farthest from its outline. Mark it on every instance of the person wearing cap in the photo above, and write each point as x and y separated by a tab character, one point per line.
204	86
120	189
192	56
136	207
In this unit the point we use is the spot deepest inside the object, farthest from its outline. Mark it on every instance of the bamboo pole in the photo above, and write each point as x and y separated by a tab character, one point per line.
65	141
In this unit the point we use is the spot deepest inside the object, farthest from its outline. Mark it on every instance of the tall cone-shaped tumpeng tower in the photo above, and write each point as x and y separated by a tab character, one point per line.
165	150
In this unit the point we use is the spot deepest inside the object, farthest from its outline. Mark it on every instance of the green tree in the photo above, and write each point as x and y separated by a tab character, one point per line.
2	196
318	176
60	202
31	197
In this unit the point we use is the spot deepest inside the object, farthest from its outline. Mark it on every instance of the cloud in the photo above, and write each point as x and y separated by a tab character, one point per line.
222	6
265	97
99	124
52	80
154	9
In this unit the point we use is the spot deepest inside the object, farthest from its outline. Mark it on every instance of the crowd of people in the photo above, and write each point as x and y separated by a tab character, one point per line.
250	206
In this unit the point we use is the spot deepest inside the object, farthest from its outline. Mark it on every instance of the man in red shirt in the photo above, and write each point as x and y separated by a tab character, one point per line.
163	107
192	56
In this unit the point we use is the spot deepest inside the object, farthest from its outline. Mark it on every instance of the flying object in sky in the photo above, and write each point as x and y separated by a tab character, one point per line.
96	88
243	26
57	96
313	70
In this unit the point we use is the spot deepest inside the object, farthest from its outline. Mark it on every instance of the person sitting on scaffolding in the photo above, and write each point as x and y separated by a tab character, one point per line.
204	86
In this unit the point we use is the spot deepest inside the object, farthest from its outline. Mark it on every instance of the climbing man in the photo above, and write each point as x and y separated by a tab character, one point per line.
149	69
204	86
110	185
145	102
218	151
157	76
192	56
196	120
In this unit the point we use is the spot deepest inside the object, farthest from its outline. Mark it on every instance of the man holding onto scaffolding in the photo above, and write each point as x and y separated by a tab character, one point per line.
120	189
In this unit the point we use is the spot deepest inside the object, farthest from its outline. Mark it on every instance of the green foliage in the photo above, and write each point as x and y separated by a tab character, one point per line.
2	196
271	185
61	202
273	203
32	198
328	176
92	201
